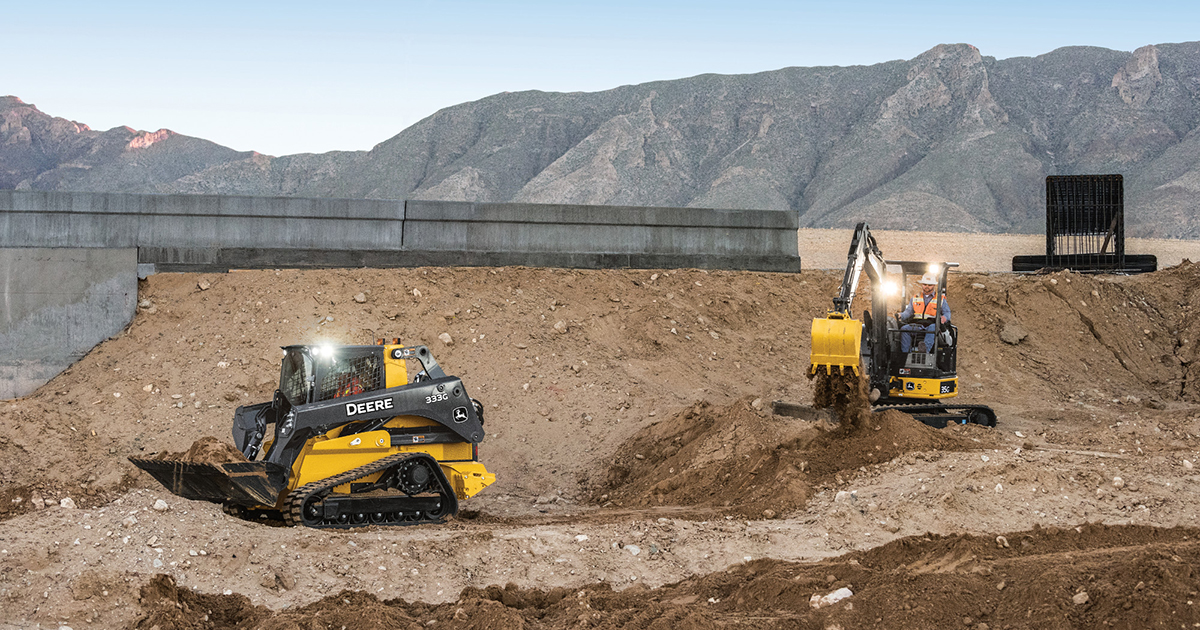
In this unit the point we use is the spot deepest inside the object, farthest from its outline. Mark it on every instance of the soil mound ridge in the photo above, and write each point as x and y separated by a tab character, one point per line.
1132	339
739	459
1083	577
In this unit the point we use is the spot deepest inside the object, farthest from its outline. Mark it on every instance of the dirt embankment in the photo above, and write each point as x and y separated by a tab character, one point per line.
1094	378
569	364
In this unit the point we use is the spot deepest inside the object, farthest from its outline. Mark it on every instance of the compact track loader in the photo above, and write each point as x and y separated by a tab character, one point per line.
918	382
353	442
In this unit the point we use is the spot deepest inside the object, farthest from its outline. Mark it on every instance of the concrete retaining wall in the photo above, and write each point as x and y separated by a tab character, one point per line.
57	305
507	227
211	232
64	219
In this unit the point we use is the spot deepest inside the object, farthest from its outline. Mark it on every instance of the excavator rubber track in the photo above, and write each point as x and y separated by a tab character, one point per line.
412	491
938	415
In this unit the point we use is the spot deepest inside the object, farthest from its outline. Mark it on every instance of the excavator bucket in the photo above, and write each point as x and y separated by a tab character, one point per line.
835	344
243	483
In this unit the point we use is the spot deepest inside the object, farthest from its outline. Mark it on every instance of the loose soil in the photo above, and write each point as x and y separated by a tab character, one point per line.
757	466
730	517
842	391
206	450
1056	578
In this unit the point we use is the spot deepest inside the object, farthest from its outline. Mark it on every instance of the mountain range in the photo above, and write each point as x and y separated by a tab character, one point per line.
949	141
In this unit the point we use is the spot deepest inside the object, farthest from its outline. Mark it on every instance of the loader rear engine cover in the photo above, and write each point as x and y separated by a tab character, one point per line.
353	441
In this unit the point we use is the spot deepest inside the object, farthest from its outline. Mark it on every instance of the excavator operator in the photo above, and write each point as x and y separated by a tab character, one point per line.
920	313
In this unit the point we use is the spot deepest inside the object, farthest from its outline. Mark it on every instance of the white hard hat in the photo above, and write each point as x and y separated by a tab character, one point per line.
929	278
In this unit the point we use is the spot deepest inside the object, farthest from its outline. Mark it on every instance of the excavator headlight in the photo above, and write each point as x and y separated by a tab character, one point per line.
891	288
934	268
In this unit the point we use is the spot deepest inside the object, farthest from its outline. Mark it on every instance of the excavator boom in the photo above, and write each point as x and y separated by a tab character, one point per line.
837	337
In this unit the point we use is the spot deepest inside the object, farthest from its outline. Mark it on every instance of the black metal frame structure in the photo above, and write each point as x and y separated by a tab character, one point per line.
1085	228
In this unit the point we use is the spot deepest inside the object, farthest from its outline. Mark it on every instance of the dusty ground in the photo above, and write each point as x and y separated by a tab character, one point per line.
730	517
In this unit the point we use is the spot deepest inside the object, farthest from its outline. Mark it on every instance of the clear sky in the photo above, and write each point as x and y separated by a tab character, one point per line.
302	76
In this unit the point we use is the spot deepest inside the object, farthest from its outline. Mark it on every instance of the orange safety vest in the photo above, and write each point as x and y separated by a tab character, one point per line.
352	387
924	310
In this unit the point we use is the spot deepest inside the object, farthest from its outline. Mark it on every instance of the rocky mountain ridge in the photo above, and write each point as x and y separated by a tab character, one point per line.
949	141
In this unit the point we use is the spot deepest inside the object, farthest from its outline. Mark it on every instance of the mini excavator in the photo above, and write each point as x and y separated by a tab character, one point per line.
917	382
354	443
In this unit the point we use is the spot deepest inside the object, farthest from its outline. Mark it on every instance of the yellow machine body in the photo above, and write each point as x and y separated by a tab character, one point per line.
352	441
330	455
916	376
923	388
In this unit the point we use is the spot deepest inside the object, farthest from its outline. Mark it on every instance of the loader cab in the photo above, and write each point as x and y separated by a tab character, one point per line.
313	373
930	374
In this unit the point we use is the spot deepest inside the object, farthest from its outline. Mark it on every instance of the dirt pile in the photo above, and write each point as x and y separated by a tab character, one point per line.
206	450
882	436
1064	333
166	606
1086	577
726	457
560	401
568	363
740	460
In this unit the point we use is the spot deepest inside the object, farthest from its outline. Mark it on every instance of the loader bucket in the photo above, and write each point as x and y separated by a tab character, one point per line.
836	341
241	483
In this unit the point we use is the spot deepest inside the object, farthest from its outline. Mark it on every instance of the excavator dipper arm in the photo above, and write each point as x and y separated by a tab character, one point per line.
837	338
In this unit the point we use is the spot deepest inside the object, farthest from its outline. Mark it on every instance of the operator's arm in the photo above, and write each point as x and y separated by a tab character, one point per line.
907	315
944	311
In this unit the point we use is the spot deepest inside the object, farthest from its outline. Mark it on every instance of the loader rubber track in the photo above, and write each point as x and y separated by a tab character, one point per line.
314	505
